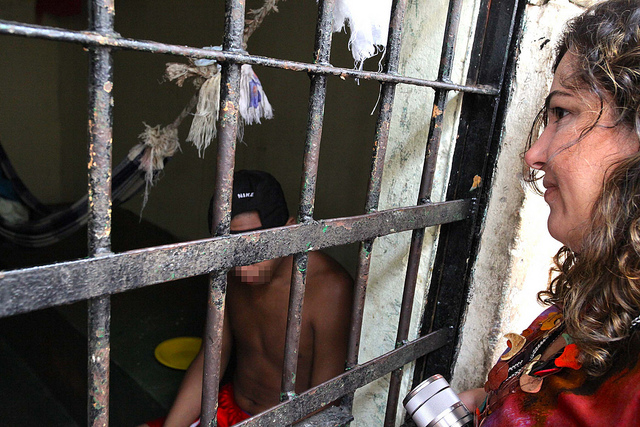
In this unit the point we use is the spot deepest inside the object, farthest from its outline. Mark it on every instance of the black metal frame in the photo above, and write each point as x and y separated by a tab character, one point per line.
105	273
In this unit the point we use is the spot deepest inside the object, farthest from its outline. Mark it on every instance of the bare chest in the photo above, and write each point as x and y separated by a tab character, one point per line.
258	323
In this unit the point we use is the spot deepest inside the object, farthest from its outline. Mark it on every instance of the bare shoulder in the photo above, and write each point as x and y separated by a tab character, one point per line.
323	269
326	278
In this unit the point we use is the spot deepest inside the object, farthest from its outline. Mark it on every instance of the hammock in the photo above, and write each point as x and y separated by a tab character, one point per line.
45	226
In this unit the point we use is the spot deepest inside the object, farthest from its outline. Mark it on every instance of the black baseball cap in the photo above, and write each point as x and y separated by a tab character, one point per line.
259	191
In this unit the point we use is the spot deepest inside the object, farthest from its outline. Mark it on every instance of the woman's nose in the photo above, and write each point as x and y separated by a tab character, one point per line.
536	155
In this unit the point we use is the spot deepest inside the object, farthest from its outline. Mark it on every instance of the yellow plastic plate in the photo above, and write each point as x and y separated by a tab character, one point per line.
178	353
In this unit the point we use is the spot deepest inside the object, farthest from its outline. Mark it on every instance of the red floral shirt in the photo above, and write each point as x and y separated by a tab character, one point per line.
524	390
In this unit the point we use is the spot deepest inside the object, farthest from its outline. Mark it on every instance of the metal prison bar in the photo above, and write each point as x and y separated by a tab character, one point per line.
105	273
426	185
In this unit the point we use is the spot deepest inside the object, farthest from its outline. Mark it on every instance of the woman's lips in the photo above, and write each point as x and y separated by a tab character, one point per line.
550	193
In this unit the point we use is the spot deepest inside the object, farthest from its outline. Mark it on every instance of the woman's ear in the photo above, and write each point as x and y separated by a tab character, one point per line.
291	221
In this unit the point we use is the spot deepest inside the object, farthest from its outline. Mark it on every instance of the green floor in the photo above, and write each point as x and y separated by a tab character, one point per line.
43	354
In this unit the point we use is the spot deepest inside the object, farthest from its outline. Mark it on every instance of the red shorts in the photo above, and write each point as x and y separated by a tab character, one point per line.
229	413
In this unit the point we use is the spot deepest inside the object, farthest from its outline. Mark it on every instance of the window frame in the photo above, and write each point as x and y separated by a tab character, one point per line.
105	273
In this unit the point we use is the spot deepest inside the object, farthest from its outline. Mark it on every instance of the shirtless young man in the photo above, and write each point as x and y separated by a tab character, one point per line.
256	317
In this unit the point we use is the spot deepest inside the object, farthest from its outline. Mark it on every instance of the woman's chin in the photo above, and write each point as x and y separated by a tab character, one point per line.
569	238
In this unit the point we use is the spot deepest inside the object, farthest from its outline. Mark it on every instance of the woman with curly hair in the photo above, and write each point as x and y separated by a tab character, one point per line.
578	364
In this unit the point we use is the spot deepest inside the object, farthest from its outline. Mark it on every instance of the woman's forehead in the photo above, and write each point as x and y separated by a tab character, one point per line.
565	72
568	86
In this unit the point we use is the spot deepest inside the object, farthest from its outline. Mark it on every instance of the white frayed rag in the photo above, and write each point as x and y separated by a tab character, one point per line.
253	103
368	22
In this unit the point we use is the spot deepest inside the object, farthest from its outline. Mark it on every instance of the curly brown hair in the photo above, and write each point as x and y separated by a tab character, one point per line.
599	289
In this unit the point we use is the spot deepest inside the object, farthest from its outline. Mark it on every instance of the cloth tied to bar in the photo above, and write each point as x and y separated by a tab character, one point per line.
253	103
368	22
206	78
160	143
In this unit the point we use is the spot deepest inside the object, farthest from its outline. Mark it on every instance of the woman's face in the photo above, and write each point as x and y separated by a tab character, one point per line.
575	169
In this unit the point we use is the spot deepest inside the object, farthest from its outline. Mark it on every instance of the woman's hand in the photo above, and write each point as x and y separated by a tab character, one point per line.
473	398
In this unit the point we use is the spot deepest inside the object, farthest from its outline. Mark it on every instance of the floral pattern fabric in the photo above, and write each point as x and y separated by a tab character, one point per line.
524	390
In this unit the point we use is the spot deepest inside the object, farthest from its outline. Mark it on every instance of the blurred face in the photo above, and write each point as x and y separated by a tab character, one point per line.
259	273
575	168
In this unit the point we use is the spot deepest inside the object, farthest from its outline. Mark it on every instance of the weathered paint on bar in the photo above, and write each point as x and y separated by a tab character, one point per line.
92	39
39	287
100	130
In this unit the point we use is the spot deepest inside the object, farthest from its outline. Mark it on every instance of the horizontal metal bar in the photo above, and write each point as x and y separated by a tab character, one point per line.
39	287
333	416
348	382
94	39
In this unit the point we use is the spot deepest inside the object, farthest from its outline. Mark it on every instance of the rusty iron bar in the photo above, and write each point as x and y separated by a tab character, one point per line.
426	186
115	41
99	350
321	395
331	416
317	98
100	131
221	218
408	294
213	346
294	322
30	289
387	96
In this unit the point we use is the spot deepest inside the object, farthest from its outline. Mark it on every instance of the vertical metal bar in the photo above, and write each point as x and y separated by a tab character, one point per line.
388	90
213	347
99	334
426	185
227	134
99	229
437	116
317	99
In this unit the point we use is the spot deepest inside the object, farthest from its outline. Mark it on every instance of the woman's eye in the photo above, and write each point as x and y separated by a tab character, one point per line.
558	113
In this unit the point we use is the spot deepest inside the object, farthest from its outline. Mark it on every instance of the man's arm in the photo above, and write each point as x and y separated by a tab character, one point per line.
331	308
186	407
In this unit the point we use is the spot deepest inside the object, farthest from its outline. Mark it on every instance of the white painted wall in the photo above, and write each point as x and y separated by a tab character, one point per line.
421	50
